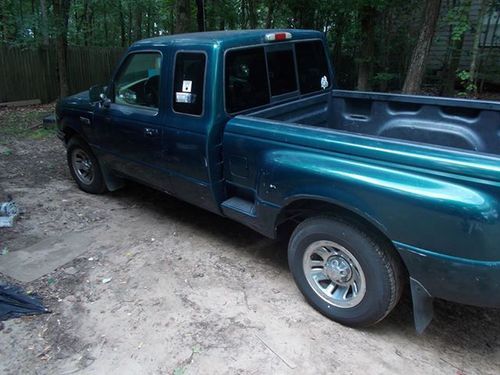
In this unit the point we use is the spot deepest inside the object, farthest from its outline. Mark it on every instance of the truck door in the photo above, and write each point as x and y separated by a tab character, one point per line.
187	131
131	125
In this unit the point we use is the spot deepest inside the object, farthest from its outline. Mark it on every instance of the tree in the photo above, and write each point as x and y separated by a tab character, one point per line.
61	15
458	19
271	4
252	13
375	44
473	71
183	16
44	24
416	70
200	14
368	16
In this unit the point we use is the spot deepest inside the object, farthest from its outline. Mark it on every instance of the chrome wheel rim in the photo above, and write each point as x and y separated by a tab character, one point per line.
83	166
334	274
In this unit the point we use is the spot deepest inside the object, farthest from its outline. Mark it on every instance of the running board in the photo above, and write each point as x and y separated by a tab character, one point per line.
238	207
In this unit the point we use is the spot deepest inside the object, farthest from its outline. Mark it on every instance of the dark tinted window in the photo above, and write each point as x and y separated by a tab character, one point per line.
138	82
281	66
188	82
246	79
312	66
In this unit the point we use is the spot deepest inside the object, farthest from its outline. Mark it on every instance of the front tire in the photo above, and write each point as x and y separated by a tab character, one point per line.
84	167
347	274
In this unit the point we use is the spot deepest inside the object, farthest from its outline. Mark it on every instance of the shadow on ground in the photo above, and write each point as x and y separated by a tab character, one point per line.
454	325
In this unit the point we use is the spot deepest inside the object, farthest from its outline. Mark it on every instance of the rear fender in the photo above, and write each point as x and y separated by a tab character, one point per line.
407	206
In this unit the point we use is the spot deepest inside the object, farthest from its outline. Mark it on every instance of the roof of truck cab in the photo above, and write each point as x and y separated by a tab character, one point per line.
227	38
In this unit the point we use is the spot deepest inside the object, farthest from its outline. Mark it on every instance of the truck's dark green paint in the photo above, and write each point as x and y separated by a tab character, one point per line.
422	172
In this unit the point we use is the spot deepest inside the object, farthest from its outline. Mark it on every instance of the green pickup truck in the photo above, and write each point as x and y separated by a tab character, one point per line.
373	191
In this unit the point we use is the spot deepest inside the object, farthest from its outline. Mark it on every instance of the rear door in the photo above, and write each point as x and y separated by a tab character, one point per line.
187	129
132	125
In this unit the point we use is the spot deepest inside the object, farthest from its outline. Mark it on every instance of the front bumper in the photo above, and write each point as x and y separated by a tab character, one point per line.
51	121
466	281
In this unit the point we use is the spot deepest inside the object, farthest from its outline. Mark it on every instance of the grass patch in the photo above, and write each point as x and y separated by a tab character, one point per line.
5	151
42	133
25	122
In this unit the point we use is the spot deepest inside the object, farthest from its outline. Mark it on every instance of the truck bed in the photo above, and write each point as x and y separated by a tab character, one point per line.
457	123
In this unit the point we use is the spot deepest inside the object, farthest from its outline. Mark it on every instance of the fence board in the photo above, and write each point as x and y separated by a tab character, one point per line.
32	73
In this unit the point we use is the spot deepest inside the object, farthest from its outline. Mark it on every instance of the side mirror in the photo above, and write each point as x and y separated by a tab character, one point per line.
95	93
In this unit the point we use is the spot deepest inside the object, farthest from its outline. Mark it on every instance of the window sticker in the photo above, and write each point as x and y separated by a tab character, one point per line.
186	86
324	82
185	97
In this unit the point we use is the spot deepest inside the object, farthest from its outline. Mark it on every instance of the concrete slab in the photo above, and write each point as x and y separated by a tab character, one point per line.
45	256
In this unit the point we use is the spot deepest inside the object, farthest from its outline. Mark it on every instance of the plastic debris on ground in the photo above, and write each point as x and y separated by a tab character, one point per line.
8	213
14	303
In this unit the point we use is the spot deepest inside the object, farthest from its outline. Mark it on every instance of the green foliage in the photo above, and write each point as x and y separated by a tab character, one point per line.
24	122
467	83
118	23
458	18
384	77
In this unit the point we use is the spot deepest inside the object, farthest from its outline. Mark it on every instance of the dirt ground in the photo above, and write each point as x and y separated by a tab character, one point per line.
188	292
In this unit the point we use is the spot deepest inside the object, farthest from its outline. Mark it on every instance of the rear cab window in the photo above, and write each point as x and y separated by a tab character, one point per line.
312	66
281	71
256	76
189	82
246	79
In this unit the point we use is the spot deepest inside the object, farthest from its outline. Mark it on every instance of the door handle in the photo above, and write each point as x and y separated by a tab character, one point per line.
151	132
85	120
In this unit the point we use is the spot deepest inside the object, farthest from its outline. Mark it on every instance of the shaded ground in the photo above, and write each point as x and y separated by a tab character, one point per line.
188	292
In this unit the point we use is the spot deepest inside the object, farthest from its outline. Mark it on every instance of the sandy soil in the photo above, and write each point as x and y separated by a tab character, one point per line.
193	293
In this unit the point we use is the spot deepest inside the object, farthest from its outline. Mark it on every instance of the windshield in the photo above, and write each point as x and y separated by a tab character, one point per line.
256	76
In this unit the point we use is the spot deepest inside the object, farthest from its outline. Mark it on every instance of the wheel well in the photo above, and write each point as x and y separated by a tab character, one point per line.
68	134
299	210
302	209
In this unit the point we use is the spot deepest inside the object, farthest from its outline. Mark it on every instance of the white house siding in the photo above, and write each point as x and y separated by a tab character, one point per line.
490	63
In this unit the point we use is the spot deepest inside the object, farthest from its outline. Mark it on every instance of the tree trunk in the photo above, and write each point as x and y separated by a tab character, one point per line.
129	35
171	28
455	52
200	14
365	70
243	14
475	46
138	22
87	22
270	14
105	24
61	15
44	24
7	22
416	70
183	16
252	13
122	24
487	58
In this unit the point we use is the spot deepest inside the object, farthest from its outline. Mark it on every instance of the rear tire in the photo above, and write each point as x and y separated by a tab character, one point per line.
347	274
84	167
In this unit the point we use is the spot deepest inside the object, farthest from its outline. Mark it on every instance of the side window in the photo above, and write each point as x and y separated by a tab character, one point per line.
246	79
312	66
281	67
189	80
138	82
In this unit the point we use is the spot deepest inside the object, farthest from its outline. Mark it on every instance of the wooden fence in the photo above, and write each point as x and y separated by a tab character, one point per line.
32	73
